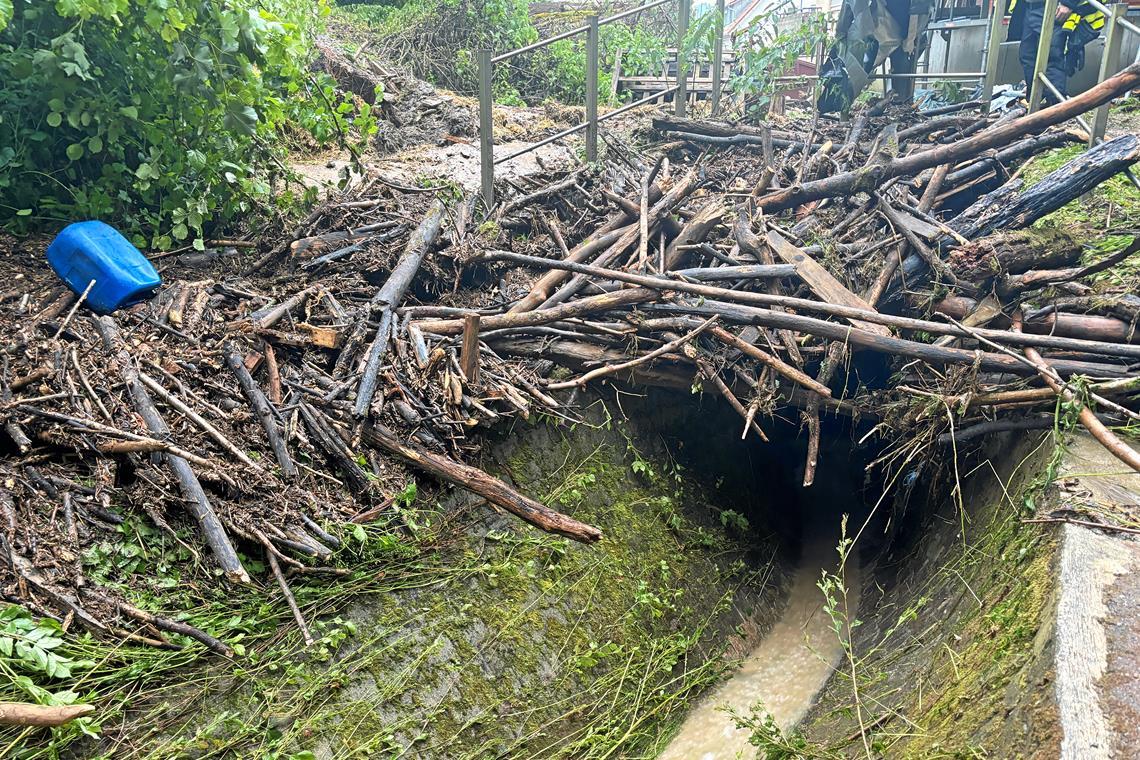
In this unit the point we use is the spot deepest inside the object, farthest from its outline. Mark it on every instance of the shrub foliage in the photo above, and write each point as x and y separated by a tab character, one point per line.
165	116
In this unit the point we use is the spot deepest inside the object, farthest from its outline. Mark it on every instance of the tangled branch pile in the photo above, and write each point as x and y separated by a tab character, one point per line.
266	410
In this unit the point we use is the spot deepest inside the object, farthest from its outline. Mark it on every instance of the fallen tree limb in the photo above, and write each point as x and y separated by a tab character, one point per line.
261	407
609	369
643	294
473	479
781	367
1011	207
1088	418
192	494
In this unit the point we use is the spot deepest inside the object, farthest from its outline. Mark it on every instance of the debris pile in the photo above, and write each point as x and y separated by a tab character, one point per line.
268	398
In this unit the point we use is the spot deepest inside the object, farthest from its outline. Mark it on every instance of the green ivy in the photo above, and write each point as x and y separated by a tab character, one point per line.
165	117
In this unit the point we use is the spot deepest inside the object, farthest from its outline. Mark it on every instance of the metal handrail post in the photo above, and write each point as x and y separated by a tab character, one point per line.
1109	63
682	30
718	57
1036	90
592	88
993	48
486	143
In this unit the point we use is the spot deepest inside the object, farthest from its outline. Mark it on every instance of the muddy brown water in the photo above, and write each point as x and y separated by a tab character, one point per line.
783	674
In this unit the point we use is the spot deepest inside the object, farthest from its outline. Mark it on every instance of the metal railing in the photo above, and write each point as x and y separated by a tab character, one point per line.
487	61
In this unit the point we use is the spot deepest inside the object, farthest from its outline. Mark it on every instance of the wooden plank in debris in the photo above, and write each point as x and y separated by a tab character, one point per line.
821	281
469	352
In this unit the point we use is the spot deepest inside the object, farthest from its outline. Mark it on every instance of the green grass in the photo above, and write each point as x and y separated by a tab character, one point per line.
1114	204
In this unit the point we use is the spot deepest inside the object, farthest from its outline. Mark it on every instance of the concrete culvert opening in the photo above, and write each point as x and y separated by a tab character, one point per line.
941	559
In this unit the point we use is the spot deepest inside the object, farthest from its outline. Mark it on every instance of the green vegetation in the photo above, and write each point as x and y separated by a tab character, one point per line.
499	641
766	51
168	117
939	670
1114	204
438	40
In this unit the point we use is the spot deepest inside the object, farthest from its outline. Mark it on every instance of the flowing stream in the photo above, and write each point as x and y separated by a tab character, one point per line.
784	672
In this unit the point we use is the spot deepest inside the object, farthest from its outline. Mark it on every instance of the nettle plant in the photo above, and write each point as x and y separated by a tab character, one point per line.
166	117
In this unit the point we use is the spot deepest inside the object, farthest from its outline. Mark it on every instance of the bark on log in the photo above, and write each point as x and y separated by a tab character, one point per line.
1029	146
890	345
601	239
489	487
997	211
1056	324
1003	253
749	298
821	281
261	406
670	200
389	297
870	178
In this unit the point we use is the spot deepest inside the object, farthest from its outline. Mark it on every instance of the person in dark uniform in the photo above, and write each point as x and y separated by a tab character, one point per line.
1076	26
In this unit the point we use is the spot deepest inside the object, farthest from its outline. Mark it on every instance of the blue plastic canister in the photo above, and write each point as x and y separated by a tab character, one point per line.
87	251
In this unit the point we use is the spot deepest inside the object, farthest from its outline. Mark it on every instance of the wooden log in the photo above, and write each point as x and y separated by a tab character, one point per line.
194	497
719	129
670	200
47	716
610	369
389	297
781	367
602	238
1000	135
261	407
1013	252
576	308
650	284
695	231
178	405
469	350
1055	324
473	479
890	345
751	243
544	286
327	441
266	318
1098	430
999	211
1024	148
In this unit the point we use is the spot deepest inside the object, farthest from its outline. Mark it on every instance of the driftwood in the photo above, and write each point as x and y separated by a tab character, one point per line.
1014	252
49	716
262	409
389	297
865	180
1010	207
475	480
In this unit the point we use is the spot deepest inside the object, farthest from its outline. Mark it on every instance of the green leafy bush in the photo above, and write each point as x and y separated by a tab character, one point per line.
767	50
163	116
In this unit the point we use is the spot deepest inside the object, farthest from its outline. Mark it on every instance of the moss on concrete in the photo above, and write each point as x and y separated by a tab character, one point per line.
504	641
954	654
